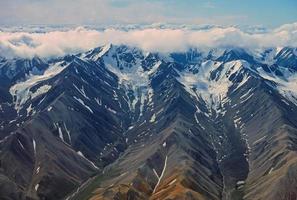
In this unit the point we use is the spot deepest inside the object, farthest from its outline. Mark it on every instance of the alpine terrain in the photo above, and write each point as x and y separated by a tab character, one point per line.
120	123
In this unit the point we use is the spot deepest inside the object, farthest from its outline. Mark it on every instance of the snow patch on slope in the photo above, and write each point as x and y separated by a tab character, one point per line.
288	89
21	91
132	77
286	84
201	84
83	103
82	155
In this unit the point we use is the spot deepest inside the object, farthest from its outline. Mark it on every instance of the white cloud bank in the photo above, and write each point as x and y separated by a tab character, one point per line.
59	43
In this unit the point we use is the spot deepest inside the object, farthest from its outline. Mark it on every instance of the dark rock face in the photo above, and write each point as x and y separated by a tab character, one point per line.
117	123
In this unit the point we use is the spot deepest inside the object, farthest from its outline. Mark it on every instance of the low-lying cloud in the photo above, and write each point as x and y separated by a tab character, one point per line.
59	43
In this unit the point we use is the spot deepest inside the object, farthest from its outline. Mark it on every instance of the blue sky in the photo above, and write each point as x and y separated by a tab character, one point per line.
269	13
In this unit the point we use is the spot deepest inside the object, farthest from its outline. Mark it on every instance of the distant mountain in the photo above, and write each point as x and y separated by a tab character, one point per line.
120	123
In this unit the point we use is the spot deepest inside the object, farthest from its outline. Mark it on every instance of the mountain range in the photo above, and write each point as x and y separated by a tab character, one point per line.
120	123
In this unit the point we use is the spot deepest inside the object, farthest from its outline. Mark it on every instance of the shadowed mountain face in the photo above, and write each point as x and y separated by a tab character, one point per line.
119	123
